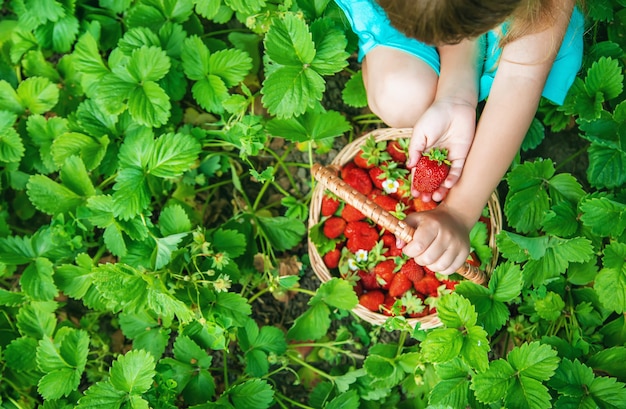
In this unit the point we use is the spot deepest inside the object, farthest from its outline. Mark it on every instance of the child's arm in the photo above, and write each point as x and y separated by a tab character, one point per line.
450	120
441	241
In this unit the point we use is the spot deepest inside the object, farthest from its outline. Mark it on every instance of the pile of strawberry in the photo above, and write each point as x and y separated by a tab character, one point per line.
354	248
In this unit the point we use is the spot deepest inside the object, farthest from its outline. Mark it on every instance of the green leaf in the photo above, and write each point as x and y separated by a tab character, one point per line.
610	282
146	333
336	293
379	367
173	154
311	325
493	384
534	360
506	282
132	194
453	388
475	348
330	47
289	91
354	93
564	186
148	64
210	93
527	393
605	166
9	100
21	354
534	136
442	344
455	311
289	42
528	200
132	373
255	393
91	150
164	248
195	57
38	94
51	197
231	65
102	395
609	361
63	362
311	126
347	400
605	76
37	282
283	233
174	220
11	146
189	352
230	242
149	105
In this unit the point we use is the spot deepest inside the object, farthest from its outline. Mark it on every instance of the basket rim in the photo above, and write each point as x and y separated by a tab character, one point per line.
345	155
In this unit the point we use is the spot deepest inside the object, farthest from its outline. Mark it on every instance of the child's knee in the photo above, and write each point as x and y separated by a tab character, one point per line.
399	101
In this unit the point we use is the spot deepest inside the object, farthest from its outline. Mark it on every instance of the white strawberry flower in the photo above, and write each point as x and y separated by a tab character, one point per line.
352	264
361	256
390	186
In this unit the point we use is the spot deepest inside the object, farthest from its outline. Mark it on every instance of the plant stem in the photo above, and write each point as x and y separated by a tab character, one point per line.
292	402
305	364
571	157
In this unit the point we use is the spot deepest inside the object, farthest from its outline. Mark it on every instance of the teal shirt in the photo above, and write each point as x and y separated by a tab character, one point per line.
370	23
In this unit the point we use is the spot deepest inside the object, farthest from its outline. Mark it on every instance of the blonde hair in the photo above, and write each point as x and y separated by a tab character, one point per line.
450	21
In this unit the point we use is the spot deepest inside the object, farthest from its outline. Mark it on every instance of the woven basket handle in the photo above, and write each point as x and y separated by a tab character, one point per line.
380	216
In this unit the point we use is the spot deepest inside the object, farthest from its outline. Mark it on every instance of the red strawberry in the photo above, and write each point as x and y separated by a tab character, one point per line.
427	286
368	280
397	151
389	242
431	170
473	259
400	284
352	228
450	284
385	273
388	306
420	206
363	239
334	227
378	176
372	300
412	270
361	161
386	202
351	214
331	259
330	204
359	179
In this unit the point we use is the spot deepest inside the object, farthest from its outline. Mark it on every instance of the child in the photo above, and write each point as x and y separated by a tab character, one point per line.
456	53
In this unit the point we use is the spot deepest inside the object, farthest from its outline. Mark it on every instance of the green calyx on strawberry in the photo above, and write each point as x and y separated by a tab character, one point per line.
431	170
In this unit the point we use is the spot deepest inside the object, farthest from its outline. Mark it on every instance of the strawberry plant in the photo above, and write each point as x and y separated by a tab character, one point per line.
154	197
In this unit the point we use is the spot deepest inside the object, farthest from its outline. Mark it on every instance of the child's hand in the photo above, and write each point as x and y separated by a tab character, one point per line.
440	242
450	125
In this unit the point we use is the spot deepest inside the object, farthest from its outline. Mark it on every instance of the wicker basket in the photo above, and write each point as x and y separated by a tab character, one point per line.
328	180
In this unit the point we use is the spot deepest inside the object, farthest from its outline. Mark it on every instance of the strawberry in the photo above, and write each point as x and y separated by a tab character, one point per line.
334	227
431	170
389	242
362	239
352	228
473	259
400	284
397	151
362	161
450	284
378	176
358	178
420	206
413	271
331	259
427	286
351	214
330	204
368	280
386	202
390	309
385	272
372	300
